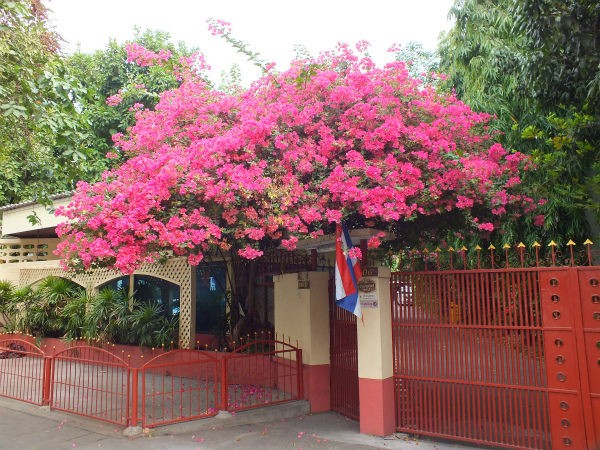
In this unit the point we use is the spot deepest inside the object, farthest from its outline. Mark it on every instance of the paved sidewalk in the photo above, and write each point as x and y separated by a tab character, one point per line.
29	427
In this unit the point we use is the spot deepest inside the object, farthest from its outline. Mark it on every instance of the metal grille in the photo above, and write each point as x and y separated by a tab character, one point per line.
22	367
177	386
469	356
344	361
91	382
261	373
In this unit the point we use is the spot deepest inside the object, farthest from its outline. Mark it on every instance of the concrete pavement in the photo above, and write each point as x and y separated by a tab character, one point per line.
28	427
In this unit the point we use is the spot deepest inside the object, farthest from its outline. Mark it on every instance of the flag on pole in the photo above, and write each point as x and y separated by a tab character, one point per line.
347	272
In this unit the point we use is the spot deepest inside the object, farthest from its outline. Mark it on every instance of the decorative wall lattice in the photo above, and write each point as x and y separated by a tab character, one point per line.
175	270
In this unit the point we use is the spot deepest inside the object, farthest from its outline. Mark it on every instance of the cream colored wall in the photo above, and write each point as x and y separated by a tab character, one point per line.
375	357
15	220
15	250
303	314
14	272
10	272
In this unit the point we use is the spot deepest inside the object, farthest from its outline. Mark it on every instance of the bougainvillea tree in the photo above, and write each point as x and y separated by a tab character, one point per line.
329	138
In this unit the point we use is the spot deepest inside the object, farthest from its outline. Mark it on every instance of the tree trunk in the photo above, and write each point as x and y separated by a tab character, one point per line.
247	320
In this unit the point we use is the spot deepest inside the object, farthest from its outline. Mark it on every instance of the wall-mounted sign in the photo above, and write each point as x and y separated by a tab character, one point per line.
366	285
368	300
303	281
370	272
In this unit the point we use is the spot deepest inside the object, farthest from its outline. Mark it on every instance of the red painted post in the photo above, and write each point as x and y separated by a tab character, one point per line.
47	380
299	371
224	385
134	397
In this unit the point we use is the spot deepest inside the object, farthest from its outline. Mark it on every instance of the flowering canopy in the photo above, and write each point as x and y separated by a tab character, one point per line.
282	160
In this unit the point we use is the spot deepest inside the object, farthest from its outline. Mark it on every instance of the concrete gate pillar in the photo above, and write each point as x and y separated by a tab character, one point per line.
302	314
375	357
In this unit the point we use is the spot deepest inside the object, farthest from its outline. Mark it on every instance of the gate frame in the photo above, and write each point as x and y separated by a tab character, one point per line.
36	352
204	357
118	364
276	356
573	411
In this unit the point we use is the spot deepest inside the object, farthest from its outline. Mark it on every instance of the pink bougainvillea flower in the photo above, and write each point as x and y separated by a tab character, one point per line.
298	151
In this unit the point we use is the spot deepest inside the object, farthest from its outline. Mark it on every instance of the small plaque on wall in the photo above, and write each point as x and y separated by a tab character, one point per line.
370	271
368	300
366	285
303	281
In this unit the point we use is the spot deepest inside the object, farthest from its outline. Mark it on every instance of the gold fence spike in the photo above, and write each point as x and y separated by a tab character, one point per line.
477	247
463	249
437	249
587	242
506	246
571	243
520	245
491	247
552	244
425	250
450	249
536	244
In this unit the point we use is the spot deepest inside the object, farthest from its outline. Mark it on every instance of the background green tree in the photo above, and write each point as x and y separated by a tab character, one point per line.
106	73
45	143
534	65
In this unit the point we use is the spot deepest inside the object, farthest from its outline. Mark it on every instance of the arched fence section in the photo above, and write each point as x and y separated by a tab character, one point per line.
260	373
22	368
175	386
91	382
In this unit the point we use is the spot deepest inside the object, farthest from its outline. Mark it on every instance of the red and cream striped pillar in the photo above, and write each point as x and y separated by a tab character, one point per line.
375	358
302	314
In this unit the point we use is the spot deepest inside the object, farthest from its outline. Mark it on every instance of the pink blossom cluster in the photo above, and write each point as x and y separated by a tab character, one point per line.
284	159
143	57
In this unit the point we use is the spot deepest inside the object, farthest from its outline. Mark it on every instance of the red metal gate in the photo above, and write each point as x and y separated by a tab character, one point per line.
22	370
260	373
343	360
177	386
503	357
91	382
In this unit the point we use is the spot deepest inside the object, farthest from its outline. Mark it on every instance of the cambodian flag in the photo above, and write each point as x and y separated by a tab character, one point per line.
347	272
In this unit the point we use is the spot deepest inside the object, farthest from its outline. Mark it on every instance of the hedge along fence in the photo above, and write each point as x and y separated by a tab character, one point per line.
167	387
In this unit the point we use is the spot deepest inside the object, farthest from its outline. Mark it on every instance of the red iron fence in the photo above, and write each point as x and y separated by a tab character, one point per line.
343	347
91	382
505	356
261	373
23	372
175	386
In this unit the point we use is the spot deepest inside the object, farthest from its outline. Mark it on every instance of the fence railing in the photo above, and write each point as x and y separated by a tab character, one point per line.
175	386
260	373
503	256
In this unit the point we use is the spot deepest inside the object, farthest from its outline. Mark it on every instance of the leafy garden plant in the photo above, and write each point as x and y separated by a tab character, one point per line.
60	308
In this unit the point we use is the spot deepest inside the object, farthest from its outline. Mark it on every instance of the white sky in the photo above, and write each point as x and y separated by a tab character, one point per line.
271	27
